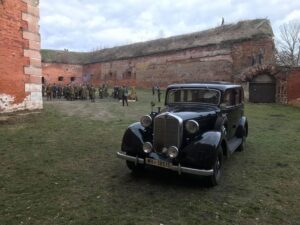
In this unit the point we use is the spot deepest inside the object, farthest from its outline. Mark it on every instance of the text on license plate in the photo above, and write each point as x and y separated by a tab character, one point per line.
159	163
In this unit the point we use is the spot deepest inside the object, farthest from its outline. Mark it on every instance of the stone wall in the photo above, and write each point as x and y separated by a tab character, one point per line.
250	53
211	63
20	59
218	54
68	72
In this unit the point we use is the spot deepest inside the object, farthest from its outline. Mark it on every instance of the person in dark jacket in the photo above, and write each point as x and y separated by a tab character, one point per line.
92	93
124	94
158	93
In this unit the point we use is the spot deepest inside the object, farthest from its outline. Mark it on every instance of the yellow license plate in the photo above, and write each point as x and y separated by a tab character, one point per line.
159	163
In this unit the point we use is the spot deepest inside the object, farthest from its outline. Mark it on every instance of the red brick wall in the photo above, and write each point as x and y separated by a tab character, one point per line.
20	61
215	63
243	52
183	66
11	50
51	72
92	73
293	86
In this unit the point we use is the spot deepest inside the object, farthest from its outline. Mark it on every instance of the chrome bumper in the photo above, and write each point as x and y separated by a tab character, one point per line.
178	168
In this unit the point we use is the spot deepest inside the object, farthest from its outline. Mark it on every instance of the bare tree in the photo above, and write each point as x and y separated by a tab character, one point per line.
289	44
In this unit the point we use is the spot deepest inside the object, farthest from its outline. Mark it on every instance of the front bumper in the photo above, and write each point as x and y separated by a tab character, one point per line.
178	168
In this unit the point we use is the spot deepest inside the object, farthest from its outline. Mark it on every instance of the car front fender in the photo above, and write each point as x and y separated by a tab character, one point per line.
134	138
202	152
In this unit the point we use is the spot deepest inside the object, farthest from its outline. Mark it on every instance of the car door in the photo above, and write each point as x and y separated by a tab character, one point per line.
230	109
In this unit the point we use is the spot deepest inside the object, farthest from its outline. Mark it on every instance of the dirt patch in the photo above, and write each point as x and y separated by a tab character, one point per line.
17	117
83	109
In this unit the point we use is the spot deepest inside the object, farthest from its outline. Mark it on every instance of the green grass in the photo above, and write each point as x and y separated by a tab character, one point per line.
60	167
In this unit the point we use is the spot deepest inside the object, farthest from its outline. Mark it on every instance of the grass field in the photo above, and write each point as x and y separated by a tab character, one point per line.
60	167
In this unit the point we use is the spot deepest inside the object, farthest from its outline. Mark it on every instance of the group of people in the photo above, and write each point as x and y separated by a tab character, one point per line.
73	92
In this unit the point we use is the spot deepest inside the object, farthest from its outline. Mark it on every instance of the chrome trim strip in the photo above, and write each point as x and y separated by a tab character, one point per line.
178	168
130	158
181	169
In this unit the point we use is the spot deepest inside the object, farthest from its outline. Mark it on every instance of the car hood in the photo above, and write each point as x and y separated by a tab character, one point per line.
196	113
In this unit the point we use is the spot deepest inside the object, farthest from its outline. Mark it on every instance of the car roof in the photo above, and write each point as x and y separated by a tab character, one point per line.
212	85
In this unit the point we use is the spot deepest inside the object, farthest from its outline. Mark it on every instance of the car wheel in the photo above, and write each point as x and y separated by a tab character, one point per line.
135	168
214	179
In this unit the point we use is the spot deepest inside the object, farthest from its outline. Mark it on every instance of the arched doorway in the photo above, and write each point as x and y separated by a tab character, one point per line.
262	89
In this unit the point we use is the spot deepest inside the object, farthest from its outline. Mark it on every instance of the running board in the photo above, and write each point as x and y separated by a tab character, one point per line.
234	143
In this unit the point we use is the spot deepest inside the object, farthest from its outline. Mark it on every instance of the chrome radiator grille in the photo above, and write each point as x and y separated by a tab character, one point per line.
167	131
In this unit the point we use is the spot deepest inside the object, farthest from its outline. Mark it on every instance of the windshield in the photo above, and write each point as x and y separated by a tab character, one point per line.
199	95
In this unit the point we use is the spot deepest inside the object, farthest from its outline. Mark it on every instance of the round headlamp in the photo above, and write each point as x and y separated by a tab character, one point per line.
192	126
146	121
173	152
147	147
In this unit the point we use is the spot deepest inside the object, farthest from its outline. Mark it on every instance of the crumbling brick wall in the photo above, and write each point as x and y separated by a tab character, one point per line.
218	54
257	51
191	65
68	73
211	63
20	60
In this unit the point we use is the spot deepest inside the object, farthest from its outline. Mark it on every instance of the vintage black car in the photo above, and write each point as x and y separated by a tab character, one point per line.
200	124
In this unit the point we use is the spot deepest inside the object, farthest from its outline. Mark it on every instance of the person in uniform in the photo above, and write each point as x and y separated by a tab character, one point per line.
83	93
92	93
105	91
64	91
158	93
124	94
59	91
80	92
72	93
54	90
49	92
100	92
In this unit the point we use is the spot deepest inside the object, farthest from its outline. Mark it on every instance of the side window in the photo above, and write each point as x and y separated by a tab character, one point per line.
241	95
174	96
177	96
230	98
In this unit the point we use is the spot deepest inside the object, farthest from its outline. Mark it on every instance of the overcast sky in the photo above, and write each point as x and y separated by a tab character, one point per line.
85	25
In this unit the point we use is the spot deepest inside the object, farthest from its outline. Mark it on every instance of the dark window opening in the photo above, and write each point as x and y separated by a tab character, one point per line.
128	74
60	78
72	78
43	80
